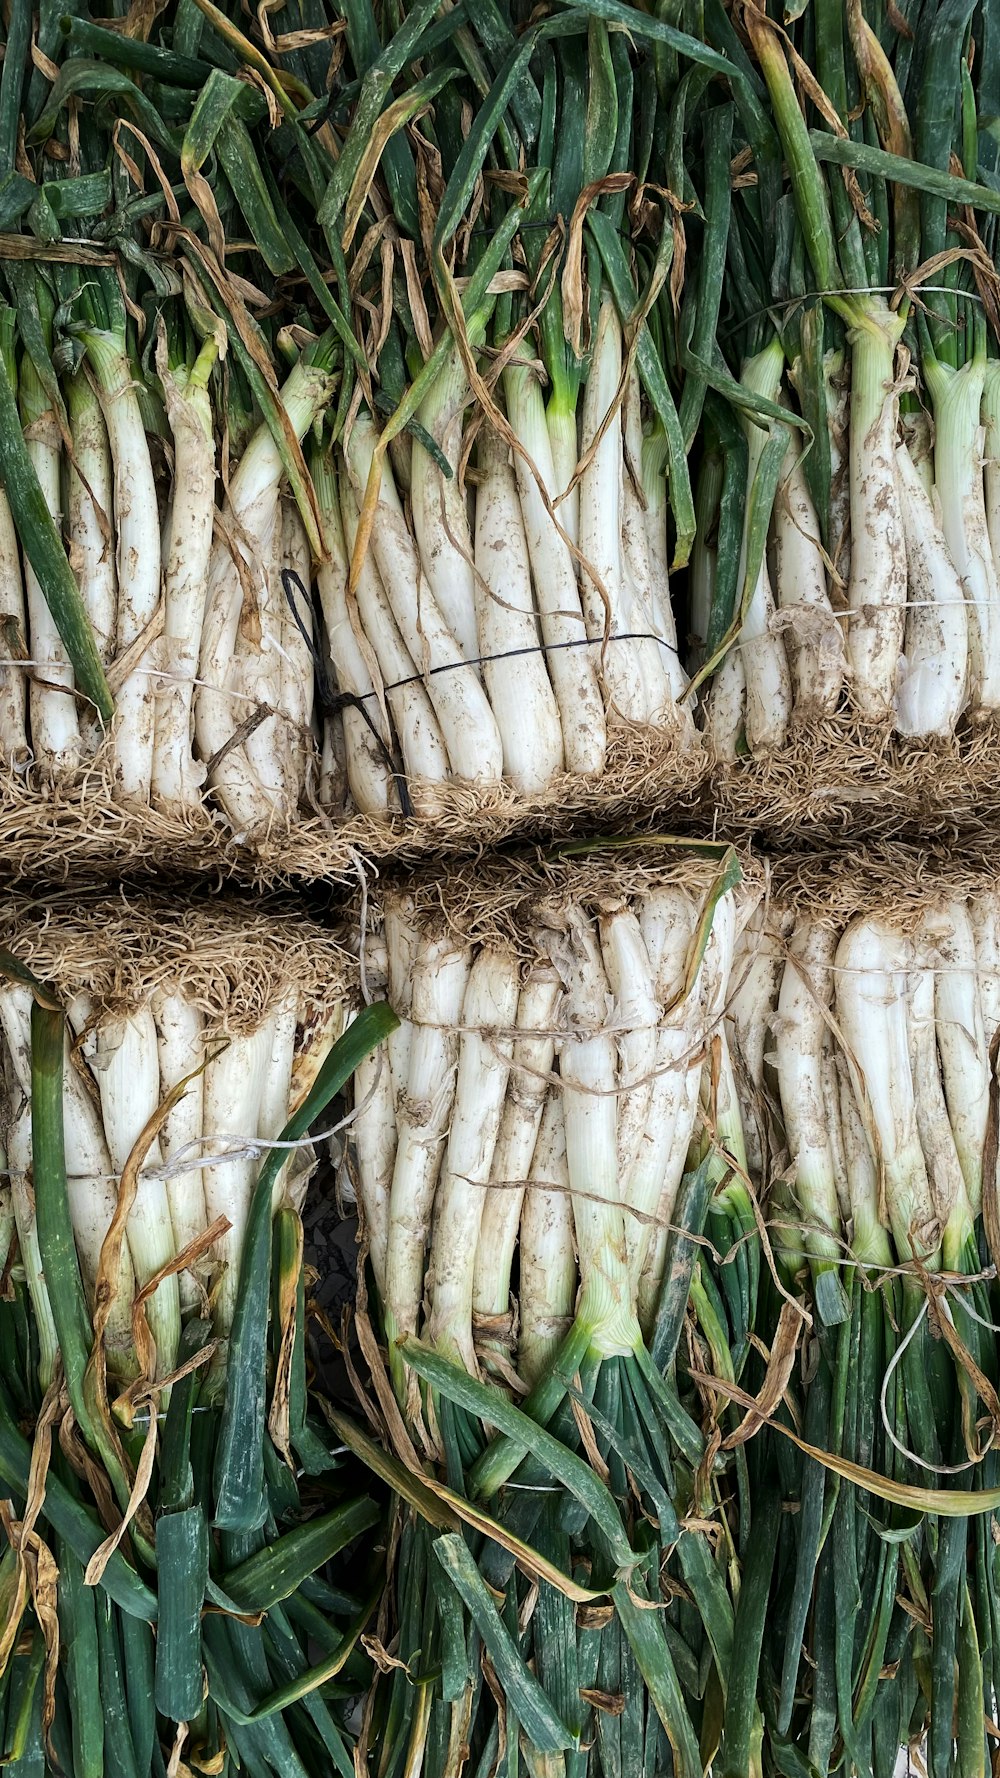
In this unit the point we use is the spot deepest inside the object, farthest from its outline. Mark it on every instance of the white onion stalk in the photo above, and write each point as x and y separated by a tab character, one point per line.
547	1272
14	749
90	1185
984	912
402	942
237	654
990	411
23	1203
467	723
800	1031
571	664
440	519
838	401
814	638
180	1040
758	965
831	1119
334	790
93	1195
961	1039
647	602
367	771
635	680
561	424
235	1082
635	1016
725	724
7	1230
958	477
275	1099
485	1051
587	1068
298	672
876	592
55	729
944	1170
871	968
768	684
122	1054
517	678
653	464
933	678
425	756
918	437
268	749
440	974
667	921
644	540
137	542
177	776
691	1021
316	1033
89	524
728	1120
373	1128
870	1244
784	1222
531	1066
728	1164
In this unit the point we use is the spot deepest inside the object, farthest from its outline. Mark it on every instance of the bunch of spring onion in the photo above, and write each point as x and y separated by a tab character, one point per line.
517	1151
504	632
879	520
864	1063
161	1067
473	637
188	570
517	579
211	659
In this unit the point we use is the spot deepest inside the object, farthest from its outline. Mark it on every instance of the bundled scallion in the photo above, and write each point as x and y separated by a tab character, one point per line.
155	1302
517	1153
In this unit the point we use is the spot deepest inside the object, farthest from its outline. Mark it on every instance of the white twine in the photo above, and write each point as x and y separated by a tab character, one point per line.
159	673
243	1148
912	1456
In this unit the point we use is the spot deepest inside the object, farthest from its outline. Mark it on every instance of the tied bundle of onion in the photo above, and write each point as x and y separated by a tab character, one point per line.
509	627
865	1048
172	1058
161	1068
207	636
480	603
43	723
254	701
517	1150
904	567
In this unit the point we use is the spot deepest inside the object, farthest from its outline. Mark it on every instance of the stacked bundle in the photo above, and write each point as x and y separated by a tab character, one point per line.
521	1150
863	331
862	1025
245	626
160	1067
